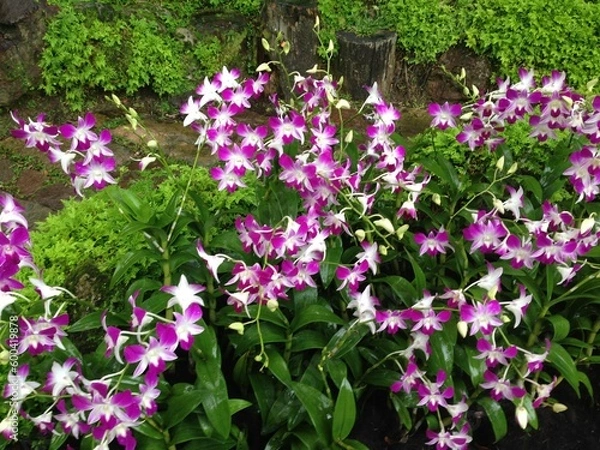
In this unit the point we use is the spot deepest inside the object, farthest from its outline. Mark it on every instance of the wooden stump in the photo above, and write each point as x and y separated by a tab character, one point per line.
295	20
362	60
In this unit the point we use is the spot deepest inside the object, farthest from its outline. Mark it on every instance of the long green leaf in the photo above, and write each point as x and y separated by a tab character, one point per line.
215	396
563	362
332	259
313	314
344	414
442	348
561	327
278	367
495	415
318	407
181	406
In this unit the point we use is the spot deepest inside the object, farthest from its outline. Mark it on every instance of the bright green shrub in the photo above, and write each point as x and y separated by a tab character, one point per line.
426	28
535	34
85	238
131	44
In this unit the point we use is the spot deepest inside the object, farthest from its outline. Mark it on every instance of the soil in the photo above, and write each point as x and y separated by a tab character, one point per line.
578	428
40	187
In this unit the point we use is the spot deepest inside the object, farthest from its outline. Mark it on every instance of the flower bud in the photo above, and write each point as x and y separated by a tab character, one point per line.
272	304
383	250
116	100
587	224
133	113
386	224
317	22
285	47
4	357
146	161
360	235
349	137
400	231
152	143
522	416
342	104
466	91
500	163
237	326
132	121
463	74
313	69
590	84
265	44
559	407
463	328
498	205
258	358
475	91
330	47
466	117
436	198
264	67
512	169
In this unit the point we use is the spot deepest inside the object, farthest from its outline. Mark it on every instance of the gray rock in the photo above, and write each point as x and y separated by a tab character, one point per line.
22	28
11	11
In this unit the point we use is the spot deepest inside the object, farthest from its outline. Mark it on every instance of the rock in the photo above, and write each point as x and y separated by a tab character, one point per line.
11	11
22	28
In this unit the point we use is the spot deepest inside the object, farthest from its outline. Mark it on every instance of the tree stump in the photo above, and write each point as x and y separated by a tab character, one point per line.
362	60
295	20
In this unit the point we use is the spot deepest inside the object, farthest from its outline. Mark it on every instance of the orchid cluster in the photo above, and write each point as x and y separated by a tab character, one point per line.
88	161
333	186
550	108
77	401
418	261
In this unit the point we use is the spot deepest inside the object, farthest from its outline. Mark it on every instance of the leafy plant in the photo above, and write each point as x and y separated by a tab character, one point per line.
363	264
535	34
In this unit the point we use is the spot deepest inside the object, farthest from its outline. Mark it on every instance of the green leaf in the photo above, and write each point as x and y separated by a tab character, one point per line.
328	267
88	322
563	362
338	371
403	288
148	430
355	445
215	399
127	262
561	326
181	406
237	405
496	416
278	367
313	314
135	207
307	340
206	346
531	184
345	340
318	407
57	441
344	414
442	348
264	392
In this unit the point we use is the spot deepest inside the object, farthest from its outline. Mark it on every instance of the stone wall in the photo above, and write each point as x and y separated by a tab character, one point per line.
22	27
